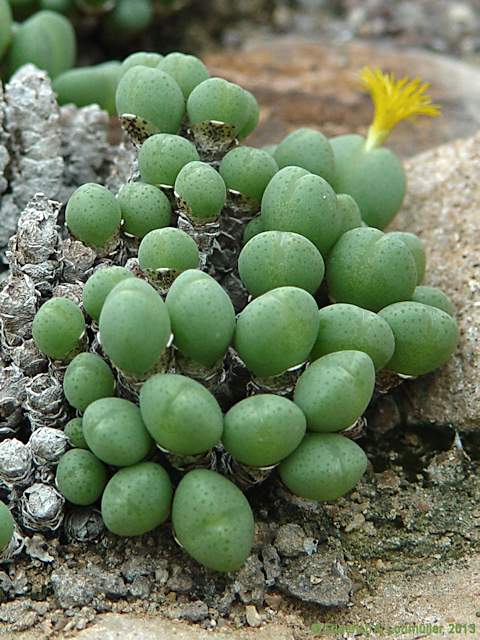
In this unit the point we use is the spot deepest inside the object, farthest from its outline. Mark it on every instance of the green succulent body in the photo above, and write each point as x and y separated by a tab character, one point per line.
263	430
47	40
93	215
299	201
142	58
99	285
87	378
415	245
87	85
5	26
134	326
345	327
74	432
162	156
168	248
58	327
253	116
325	466
213	520
222	101
349	213
425	337
153	95
144	208
248	171
280	258
334	391
188	71
181	415
308	149
114	431
253	228
81	477
370	269
62	6
277	331
7	526
202	317
375	178
130	17
434	297
137	499
202	189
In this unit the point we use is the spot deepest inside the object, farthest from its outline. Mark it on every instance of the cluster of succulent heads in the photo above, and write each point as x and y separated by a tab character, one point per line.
182	399
42	32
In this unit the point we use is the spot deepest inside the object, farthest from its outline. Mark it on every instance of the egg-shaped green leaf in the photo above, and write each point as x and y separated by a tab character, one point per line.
81	477
57	327
277	331
309	149
99	285
263	430
137	499
93	214
325	466
87	378
213	520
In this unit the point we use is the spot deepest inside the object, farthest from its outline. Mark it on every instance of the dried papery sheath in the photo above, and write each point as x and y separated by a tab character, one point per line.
84	525
281	385
78	261
160	279
14	548
12	395
16	464
41	508
85	147
386	381
47	445
207	460
213	378
213	139
45	404
18	305
29	359
71	291
129	386
137	129
357	430
32	133
243	475
36	247
204	234
124	166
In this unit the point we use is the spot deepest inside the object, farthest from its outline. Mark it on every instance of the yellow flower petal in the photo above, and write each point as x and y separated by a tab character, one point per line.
394	100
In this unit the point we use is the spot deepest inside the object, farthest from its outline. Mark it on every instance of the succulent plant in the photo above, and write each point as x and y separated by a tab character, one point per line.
137	499
213	520
81	477
143	209
324	467
308	149
7	525
275	259
5	26
46	39
114	431
87	85
172	362
87	378
425	337
180	414
302	202
370	269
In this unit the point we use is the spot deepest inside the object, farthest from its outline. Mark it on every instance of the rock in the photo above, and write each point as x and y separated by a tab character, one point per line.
321	579
254	619
249	582
442	208
194	612
307	83
289	540
76	588
113	627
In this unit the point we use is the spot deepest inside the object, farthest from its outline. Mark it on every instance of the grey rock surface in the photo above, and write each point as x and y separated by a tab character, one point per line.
442	207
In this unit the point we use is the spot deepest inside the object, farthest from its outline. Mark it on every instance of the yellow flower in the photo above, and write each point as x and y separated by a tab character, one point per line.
394	100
